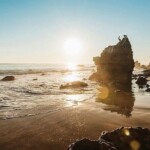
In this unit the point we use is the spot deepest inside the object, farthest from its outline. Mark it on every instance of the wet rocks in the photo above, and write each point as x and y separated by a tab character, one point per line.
115	62
34	79
141	81
86	144
124	138
147	90
74	84
8	78
129	138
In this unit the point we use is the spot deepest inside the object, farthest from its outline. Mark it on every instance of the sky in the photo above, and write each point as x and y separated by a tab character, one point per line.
35	31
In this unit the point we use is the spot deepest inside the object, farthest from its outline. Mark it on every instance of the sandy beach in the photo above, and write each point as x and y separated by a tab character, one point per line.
55	131
71	70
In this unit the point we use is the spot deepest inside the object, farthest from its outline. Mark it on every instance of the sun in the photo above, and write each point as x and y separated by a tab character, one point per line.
72	46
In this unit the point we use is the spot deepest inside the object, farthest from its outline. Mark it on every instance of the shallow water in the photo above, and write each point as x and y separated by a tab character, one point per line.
32	91
37	87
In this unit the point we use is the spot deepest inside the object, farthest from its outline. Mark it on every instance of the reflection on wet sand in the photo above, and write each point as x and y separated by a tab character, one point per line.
120	101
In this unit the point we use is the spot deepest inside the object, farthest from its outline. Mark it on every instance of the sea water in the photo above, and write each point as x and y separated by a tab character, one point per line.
36	87
35	90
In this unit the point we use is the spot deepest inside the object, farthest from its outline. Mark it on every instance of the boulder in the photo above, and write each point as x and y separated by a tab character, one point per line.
147	90
86	144
80	65
8	78
34	79
141	81
74	84
124	138
147	85
115	62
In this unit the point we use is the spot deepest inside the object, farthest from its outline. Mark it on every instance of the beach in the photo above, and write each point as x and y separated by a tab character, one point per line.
57	130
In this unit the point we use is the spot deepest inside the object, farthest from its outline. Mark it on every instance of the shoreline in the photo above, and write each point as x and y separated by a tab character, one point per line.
58	129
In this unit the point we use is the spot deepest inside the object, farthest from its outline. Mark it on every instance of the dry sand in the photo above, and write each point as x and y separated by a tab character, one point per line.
55	131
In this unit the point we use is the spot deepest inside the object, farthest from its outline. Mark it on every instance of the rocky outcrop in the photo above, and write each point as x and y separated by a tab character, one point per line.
86	144
115	63
141	81
147	90
74	84
8	78
124	138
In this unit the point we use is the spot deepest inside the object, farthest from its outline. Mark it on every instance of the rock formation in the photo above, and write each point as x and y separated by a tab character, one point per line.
74	84
115	64
8	78
124	138
141	81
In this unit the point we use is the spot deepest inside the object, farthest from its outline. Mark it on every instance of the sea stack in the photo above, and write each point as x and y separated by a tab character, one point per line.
115	64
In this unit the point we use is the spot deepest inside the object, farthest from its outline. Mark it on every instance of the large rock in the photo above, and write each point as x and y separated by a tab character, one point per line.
147	90
74	84
8	78
86	144
124	138
141	81
115	62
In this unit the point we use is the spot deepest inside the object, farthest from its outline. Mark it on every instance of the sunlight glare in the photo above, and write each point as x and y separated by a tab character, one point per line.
73	99
72	66
71	77
72	46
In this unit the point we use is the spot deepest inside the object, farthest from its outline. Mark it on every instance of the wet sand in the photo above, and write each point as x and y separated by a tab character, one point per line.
55	131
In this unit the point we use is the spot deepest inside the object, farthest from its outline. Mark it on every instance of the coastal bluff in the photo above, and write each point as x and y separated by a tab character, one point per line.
115	64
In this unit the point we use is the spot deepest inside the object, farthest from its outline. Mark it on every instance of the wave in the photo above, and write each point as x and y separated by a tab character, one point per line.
20	69
38	71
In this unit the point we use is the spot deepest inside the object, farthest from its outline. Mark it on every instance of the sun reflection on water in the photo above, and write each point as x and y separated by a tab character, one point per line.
73	99
71	77
72	66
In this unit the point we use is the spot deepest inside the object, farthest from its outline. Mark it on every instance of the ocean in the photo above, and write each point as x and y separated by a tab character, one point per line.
37	86
35	91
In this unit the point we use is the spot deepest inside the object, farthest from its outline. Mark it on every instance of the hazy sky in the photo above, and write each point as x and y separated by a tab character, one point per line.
36	30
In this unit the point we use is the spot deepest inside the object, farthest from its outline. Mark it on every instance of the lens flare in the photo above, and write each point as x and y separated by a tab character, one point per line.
135	145
104	93
126	132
